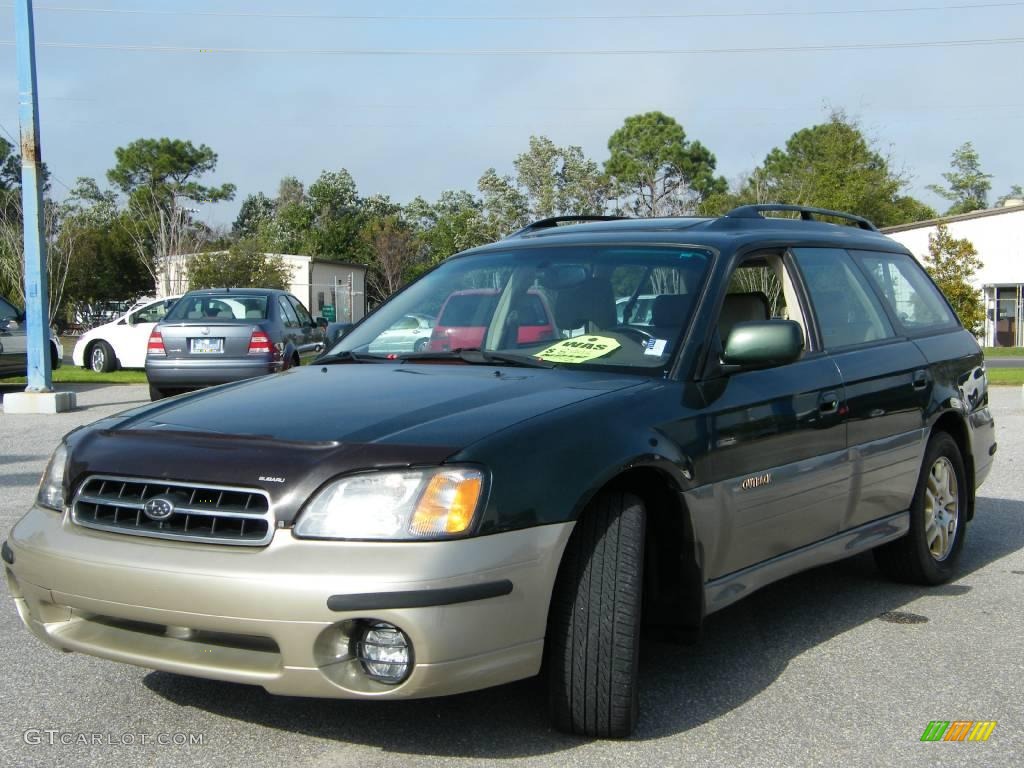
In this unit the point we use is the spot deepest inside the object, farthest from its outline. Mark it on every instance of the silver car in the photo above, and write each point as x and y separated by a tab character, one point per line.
14	342
410	334
215	336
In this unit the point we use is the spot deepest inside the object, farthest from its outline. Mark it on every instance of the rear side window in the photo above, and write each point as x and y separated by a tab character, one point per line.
288	316
911	297
847	309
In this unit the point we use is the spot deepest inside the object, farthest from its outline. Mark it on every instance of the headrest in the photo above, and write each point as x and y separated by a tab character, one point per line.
671	309
742	308
591	301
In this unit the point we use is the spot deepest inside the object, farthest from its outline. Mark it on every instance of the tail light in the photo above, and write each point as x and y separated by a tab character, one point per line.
259	343
156	344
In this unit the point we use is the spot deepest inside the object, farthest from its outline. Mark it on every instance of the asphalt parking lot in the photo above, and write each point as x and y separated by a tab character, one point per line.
833	667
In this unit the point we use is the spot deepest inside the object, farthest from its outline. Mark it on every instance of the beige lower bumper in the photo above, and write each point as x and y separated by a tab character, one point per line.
261	617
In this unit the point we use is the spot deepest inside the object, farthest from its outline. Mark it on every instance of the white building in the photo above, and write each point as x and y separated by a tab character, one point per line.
331	289
998	236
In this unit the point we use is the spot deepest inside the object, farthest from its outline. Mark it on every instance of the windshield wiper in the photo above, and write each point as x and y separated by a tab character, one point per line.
477	356
348	356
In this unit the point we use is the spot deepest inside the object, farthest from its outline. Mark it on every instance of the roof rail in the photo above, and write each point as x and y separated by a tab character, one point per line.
806	214
554	221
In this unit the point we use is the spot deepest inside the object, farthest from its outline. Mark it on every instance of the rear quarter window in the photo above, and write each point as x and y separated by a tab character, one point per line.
907	291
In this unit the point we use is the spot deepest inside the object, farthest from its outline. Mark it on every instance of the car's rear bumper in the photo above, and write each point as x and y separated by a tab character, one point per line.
475	610
184	373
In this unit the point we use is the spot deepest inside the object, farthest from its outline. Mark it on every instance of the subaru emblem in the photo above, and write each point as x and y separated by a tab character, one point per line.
159	508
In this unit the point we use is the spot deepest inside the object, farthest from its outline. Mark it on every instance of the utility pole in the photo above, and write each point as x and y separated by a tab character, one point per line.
38	396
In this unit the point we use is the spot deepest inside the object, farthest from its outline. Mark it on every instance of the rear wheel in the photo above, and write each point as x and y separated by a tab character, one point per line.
155	393
593	635
928	554
101	357
420	345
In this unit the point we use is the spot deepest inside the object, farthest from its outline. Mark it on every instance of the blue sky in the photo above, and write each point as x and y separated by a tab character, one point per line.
416	125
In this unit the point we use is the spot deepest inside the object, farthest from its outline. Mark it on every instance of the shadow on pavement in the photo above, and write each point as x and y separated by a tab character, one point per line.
743	650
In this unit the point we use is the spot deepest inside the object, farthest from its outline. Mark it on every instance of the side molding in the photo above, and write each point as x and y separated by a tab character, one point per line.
728	589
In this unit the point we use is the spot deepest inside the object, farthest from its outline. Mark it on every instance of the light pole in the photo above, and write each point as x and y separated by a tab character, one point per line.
38	396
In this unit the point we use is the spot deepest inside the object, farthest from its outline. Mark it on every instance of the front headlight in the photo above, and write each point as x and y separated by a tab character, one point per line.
411	504
51	487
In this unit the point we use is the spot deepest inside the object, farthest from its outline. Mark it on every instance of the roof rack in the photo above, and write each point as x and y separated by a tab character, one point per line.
554	221
806	214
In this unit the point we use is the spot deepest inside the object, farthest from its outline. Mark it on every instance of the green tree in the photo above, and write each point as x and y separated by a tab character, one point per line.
952	263
244	265
968	185
505	208
1015	193
394	250
161	180
255	210
452	224
559	181
658	171
831	165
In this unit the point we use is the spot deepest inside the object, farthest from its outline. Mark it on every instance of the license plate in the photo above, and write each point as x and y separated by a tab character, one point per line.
207	346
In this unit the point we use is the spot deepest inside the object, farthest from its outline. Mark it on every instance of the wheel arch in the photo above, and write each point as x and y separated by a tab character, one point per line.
673	576
952	423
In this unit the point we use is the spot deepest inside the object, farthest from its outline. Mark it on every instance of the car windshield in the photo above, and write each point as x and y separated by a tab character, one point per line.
623	306
208	307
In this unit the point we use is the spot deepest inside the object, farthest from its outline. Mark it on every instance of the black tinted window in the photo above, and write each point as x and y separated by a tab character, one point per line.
847	309
7	312
907	290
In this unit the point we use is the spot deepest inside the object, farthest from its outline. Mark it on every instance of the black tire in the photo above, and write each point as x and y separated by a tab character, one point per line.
593	638
100	357
420	345
909	559
155	393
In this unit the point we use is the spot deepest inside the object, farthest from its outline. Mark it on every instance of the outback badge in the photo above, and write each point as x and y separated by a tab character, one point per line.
756	481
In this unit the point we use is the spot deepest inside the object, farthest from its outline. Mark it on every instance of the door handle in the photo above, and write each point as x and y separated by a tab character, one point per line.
829	403
920	379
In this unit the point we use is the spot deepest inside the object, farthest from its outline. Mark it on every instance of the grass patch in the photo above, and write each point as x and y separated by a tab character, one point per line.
1004	351
1005	376
69	374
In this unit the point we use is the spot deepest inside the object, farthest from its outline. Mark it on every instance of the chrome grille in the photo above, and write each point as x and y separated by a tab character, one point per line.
212	514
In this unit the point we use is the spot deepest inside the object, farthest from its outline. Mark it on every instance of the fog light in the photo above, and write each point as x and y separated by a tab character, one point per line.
384	653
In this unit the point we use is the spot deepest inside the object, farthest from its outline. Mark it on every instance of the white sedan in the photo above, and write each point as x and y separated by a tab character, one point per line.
410	334
122	342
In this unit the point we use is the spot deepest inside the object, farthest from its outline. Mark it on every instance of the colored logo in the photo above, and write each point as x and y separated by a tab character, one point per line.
959	730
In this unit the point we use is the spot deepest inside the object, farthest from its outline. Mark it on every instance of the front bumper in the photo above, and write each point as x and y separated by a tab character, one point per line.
261	616
187	373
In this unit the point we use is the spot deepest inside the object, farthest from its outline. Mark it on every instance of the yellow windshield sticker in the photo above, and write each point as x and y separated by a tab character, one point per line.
579	349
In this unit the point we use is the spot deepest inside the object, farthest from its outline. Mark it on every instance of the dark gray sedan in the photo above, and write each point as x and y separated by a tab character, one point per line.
219	335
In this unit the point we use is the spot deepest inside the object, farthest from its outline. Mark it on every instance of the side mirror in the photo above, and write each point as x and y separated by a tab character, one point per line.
339	330
321	322
131	320
762	344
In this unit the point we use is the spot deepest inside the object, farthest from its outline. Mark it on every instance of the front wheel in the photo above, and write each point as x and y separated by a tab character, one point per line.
101	357
155	393
928	554
593	635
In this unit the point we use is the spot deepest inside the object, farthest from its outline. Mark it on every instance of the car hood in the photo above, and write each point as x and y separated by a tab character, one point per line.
290	432
379	403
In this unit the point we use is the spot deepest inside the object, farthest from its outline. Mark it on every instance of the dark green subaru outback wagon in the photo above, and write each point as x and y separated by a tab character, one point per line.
615	423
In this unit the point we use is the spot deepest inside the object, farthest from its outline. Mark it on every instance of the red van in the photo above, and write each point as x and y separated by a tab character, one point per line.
465	316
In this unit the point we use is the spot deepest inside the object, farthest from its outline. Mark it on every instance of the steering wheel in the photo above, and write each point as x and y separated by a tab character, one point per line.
642	336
